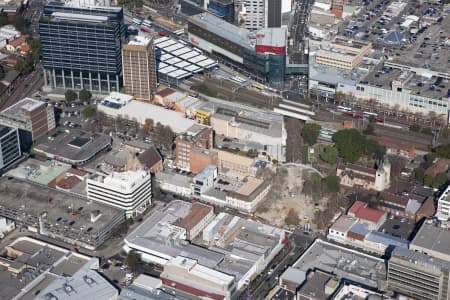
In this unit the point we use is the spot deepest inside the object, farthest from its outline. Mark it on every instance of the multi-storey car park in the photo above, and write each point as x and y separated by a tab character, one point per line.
59	215
405	75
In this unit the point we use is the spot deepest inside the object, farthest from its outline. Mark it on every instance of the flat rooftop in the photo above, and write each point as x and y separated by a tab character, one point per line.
67	215
75	147
21	109
258	121
427	262
139	40
433	238
275	37
430	50
323	73
159	234
142	111
425	86
41	172
218	26
397	228
342	262
41	257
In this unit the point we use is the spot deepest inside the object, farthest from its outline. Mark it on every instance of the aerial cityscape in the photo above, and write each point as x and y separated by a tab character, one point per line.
224	149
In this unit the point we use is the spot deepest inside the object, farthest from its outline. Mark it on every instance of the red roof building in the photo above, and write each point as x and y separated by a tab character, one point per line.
374	218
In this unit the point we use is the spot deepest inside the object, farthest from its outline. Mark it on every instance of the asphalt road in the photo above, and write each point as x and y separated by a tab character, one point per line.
298	243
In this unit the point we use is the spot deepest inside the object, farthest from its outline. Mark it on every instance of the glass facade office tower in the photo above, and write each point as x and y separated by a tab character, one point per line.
82	46
223	9
9	146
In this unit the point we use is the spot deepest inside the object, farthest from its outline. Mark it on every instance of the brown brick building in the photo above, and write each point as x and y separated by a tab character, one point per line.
33	118
197	136
201	158
139	68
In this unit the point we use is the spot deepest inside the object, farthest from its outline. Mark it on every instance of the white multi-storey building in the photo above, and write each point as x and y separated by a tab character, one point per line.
130	191
443	208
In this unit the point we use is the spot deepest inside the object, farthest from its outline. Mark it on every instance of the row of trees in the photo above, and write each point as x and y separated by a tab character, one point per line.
83	95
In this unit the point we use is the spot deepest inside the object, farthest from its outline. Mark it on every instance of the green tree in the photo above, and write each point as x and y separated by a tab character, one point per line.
442	151
84	95
419	174
428	180
414	128
88	112
332	183
426	130
70	95
439	180
350	144
2	72
23	66
374	149
310	133
292	218
445	133
252	153
370	129
35	47
20	23
3	18
164	136
328	154
132	261
316	184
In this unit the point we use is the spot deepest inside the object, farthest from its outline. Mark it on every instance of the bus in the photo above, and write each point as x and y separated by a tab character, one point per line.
378	118
343	109
367	114
238	79
147	23
179	32
136	21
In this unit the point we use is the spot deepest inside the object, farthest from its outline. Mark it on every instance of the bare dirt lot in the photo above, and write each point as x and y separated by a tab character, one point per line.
286	195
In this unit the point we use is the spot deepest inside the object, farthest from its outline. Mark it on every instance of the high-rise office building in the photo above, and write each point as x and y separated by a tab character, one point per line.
259	14
418	275
9	146
139	68
273	13
82	47
223	9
